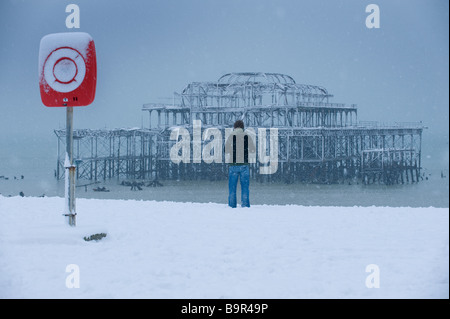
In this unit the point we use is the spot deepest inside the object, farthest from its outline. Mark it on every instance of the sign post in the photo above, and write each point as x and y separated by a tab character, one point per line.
68	78
70	170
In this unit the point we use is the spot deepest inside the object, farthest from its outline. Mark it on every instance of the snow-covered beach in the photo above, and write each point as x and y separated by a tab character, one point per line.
207	250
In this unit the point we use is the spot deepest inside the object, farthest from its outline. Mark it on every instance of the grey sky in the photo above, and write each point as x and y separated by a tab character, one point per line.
146	50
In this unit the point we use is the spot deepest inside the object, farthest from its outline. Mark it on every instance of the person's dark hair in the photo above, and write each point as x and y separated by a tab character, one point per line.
239	124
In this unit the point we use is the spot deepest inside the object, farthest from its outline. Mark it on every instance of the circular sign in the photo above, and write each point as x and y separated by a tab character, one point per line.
64	69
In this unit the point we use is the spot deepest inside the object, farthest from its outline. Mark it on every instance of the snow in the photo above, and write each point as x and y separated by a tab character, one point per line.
76	40
196	250
60	60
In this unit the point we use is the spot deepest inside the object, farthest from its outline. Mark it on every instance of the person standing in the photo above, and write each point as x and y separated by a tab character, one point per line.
238	146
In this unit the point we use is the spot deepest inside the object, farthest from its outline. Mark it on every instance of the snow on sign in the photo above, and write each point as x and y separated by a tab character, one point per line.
67	69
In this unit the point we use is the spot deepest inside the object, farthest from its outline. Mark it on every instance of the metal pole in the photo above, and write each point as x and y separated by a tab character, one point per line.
70	170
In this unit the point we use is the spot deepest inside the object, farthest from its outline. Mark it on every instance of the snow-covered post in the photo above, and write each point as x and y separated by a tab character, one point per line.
69	170
68	78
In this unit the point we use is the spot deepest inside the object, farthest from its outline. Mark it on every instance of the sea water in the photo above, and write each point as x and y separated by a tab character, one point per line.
28	166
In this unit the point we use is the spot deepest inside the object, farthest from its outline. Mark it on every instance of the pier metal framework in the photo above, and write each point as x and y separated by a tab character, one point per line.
318	140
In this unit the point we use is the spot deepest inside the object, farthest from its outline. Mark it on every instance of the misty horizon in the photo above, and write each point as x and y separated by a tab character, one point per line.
149	49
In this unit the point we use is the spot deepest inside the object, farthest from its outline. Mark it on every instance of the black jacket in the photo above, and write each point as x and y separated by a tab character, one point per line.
238	146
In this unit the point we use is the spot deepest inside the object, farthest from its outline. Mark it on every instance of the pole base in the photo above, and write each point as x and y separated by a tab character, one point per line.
72	219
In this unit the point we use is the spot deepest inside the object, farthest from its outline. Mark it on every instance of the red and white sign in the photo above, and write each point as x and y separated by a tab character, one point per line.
67	69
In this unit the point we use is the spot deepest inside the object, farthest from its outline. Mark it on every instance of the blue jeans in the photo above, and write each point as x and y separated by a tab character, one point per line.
234	173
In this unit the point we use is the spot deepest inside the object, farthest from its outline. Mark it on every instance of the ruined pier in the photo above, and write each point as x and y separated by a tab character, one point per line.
319	141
